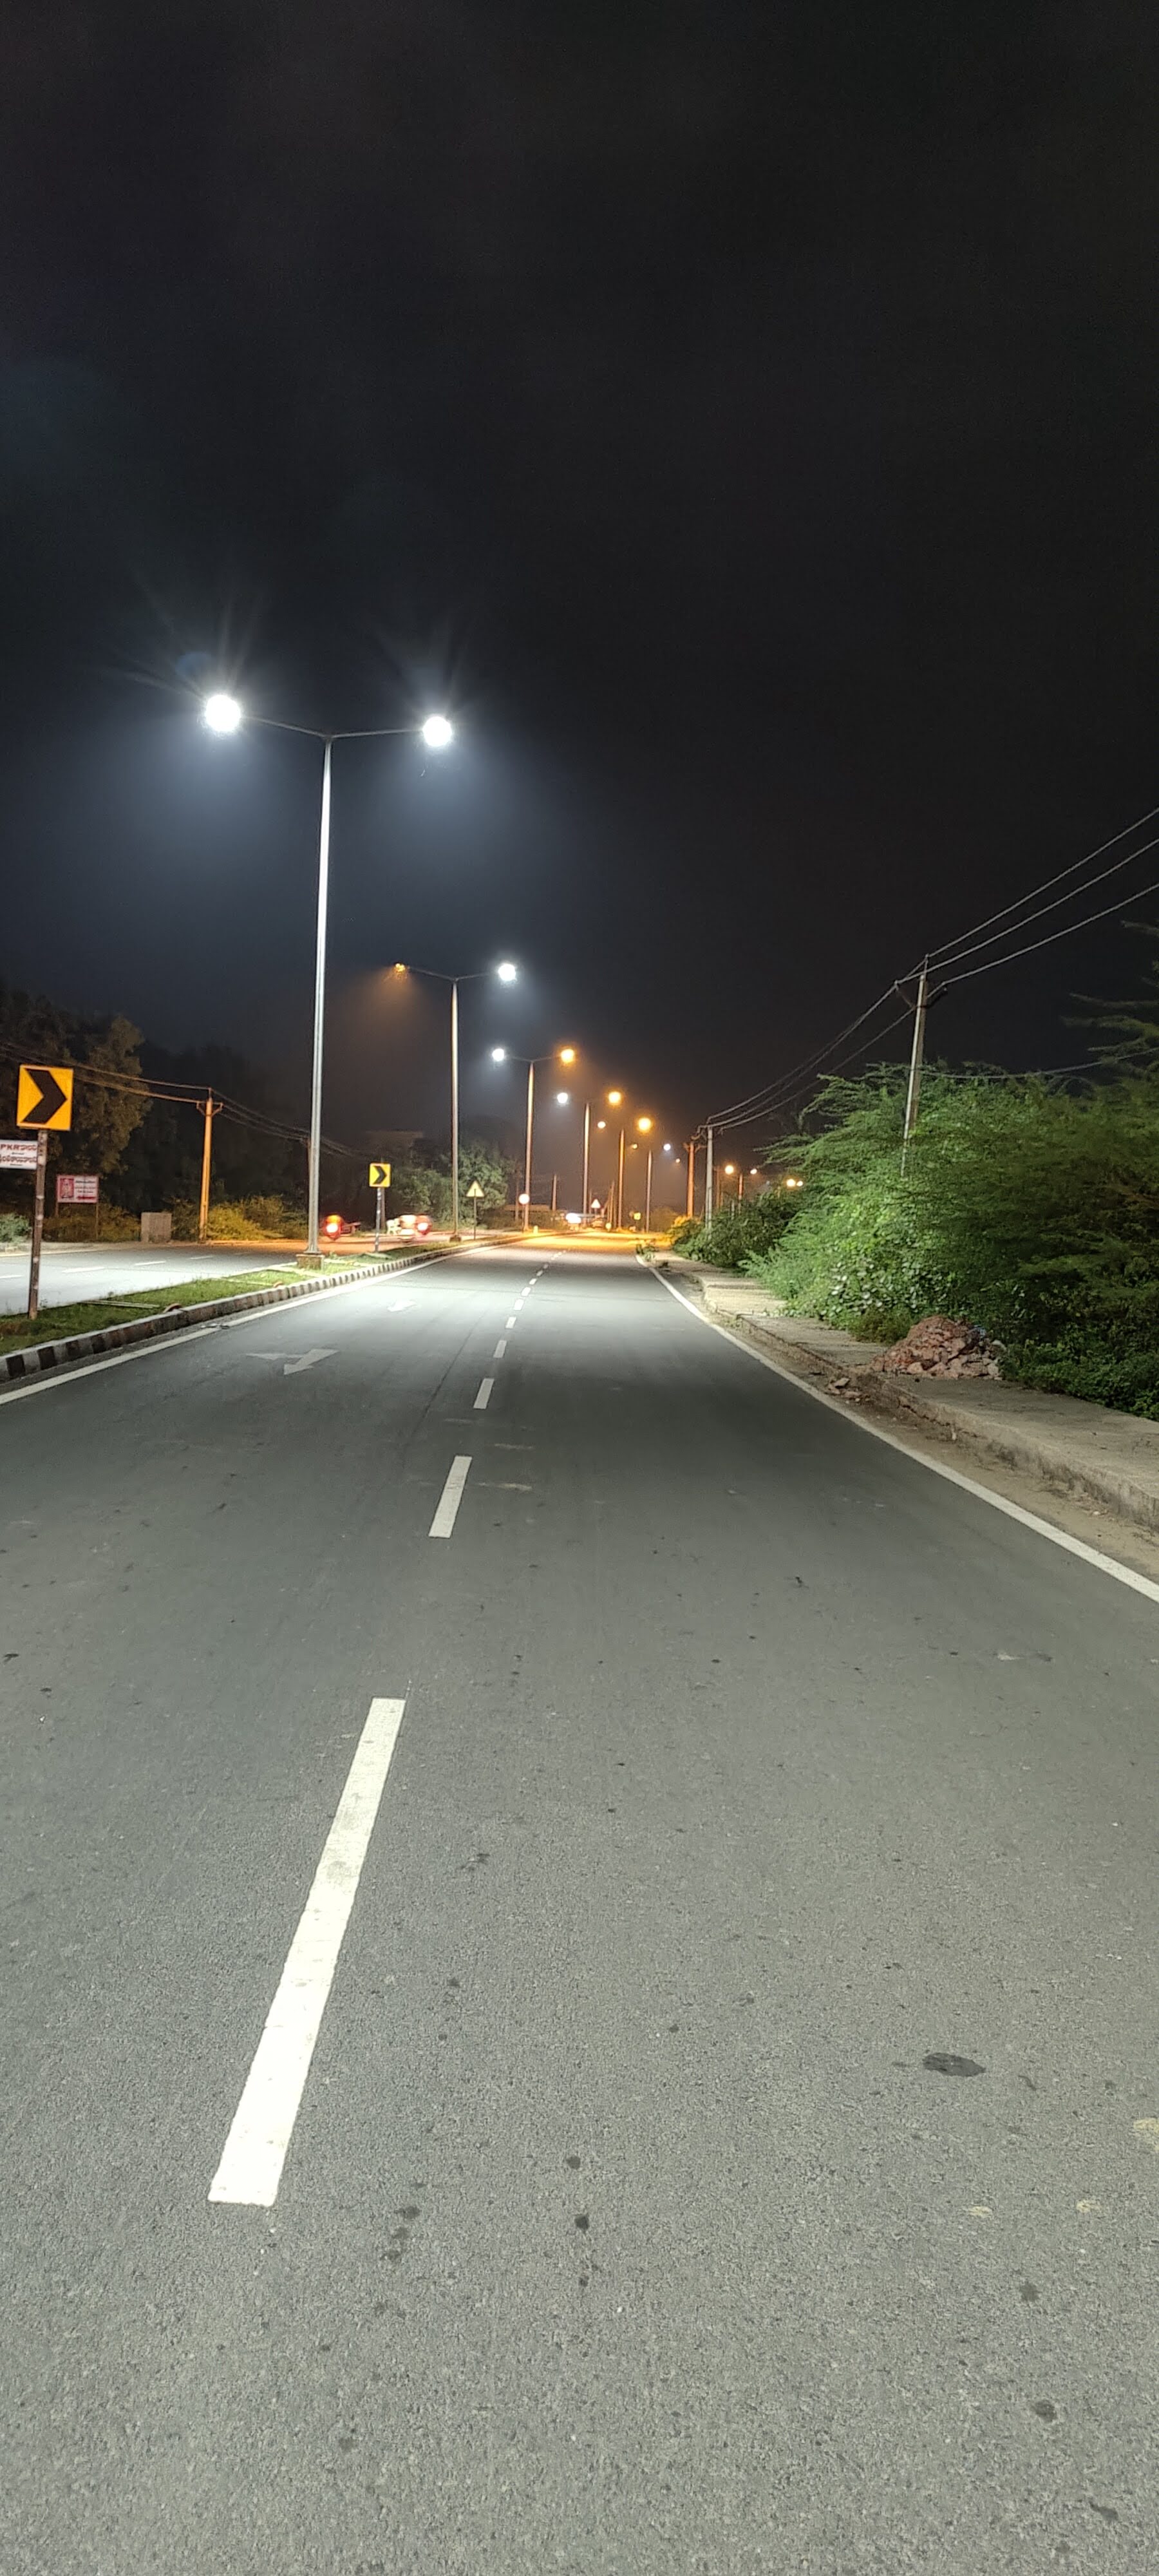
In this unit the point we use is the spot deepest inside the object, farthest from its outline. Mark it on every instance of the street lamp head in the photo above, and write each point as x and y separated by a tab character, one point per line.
567	1055
644	1125
730	1168
669	1149
498	1055
398	968
437	733
601	1122
221	713
614	1099
507	972
563	1098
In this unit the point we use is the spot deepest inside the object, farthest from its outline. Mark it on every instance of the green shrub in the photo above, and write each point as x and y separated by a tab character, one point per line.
14	1229
1029	1210
244	1220
742	1231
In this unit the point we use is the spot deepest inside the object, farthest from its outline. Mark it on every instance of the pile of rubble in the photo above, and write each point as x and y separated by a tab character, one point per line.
938	1347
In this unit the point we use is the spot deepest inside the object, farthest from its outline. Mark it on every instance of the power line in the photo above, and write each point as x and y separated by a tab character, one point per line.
766	1097
1050	937
942	953
1070	897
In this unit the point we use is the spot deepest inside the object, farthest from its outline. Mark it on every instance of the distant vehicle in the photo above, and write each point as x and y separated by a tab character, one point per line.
414	1225
332	1227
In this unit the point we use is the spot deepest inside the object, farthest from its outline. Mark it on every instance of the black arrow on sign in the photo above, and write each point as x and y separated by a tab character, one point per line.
51	1098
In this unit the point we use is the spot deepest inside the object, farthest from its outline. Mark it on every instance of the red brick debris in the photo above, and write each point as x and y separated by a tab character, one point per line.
939	1347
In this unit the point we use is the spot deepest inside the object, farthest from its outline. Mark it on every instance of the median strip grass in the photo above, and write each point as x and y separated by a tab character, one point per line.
59	1323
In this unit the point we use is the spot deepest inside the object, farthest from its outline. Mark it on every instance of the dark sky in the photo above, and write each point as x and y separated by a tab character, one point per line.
743	416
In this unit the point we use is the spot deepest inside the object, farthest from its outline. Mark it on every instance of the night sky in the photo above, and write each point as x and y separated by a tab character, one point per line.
741	417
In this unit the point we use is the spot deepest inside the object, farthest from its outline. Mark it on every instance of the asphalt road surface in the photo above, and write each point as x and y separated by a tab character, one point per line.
70	1272
619	2035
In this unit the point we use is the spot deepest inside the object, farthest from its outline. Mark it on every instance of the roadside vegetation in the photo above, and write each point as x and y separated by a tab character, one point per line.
1026	1208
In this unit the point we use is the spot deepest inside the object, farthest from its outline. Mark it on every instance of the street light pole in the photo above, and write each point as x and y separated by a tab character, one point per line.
454	1108
708	1179
530	1125
587	1157
620	1187
648	1196
223	715
315	1179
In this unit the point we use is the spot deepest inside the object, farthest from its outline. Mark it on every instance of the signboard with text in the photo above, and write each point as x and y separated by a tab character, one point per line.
18	1153
77	1189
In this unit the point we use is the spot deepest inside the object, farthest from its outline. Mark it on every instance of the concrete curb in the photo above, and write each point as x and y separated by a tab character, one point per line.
148	1328
1109	1462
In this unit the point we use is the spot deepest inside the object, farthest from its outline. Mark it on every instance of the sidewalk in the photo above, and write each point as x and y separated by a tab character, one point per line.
1109	1461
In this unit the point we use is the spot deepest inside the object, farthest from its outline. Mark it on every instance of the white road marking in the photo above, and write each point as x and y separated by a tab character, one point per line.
71	1372
290	1368
953	1475
255	2150
500	1347
450	1498
483	1398
511	1323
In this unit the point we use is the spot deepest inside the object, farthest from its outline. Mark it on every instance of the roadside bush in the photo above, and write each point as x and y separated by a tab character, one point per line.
244	1220
14	1229
1031	1211
76	1225
739	1232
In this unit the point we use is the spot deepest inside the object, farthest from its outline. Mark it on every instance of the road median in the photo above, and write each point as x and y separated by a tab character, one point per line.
1082	1452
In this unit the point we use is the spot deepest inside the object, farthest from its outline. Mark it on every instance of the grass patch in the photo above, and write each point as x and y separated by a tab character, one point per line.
58	1323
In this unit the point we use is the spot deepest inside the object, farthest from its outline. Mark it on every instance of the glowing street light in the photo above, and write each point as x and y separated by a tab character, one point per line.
558	1055
562	1098
507	973
223	714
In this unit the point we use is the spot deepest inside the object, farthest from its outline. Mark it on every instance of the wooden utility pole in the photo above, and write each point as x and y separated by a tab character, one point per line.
209	1110
913	1092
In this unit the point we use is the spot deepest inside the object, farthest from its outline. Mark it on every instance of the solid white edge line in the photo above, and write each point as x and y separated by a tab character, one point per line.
937	1466
500	1347
255	2150
483	1398
450	1498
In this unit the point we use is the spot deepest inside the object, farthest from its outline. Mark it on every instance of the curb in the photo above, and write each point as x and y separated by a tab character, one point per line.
148	1328
965	1416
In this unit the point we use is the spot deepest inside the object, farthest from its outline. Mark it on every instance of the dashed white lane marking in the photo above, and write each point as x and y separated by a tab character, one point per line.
500	1347
953	1475
511	1323
483	1398
450	1498
255	2150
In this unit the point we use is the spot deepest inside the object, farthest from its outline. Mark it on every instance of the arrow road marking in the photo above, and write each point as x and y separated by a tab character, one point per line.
255	2150
290	1368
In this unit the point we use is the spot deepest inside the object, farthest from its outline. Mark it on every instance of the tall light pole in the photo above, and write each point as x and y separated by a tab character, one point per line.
587	1159
558	1055
224	715
507	974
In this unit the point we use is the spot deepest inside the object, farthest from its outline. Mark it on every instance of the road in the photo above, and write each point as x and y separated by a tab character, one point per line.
70	1272
634	1856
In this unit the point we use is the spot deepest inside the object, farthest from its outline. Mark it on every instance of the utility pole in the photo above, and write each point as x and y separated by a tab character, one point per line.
708	1177
554	1189
689	1207
209	1110
913	1092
